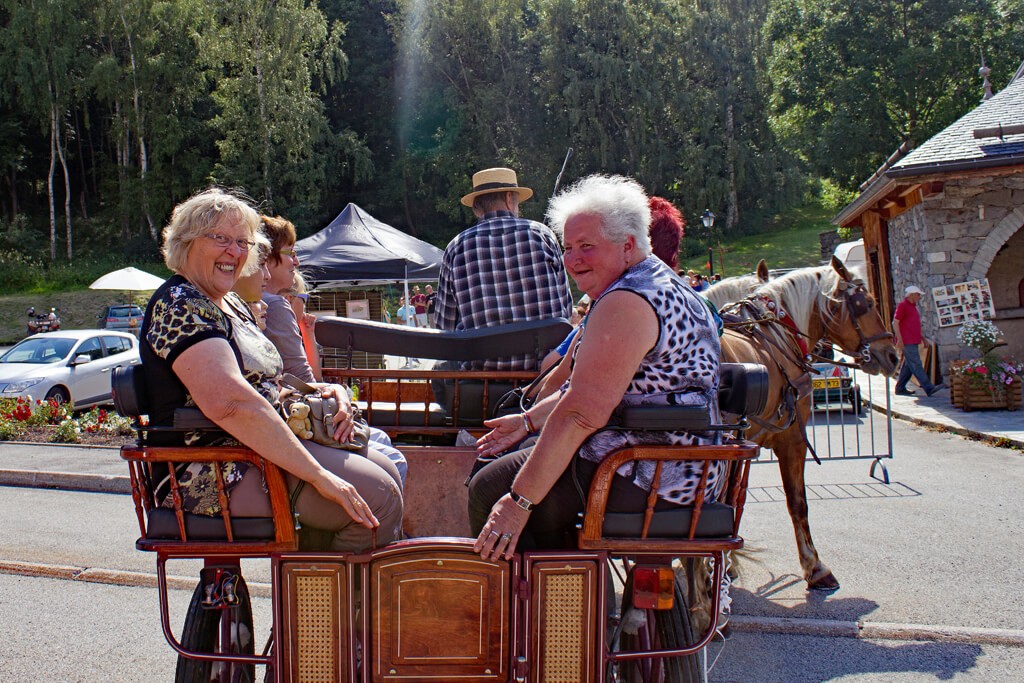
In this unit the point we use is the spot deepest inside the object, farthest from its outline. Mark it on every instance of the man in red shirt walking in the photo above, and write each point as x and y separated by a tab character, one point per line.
906	326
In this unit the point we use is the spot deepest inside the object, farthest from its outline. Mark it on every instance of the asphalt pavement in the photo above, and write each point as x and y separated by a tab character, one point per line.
929	562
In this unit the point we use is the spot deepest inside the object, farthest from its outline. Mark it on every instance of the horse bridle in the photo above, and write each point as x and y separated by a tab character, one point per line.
859	304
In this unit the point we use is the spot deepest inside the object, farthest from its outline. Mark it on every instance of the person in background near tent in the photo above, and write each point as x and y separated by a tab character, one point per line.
405	312
419	303
906	327
431	306
504	269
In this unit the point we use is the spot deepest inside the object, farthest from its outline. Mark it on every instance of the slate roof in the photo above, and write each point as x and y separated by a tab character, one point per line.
957	147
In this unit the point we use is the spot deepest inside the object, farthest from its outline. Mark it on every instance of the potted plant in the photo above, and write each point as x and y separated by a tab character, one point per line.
988	381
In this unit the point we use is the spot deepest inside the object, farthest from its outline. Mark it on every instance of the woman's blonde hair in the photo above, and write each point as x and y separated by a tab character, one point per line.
194	218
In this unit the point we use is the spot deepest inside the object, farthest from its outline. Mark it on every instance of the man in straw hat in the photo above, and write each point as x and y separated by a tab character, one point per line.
906	327
502	270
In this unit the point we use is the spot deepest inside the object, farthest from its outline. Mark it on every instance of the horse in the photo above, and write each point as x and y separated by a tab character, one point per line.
735	288
776	326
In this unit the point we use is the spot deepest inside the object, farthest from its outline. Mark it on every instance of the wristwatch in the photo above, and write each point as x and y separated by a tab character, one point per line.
524	503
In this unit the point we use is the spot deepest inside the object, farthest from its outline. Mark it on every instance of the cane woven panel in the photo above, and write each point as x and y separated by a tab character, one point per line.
313	630
562	621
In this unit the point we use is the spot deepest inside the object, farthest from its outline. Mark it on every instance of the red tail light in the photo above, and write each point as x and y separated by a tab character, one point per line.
653	587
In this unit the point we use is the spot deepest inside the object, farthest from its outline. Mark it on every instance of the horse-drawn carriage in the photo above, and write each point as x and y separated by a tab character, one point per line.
622	604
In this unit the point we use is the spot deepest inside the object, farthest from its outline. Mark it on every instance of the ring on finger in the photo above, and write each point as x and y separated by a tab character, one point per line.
506	537
494	533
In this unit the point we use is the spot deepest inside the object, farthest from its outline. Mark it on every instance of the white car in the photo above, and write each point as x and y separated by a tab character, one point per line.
70	366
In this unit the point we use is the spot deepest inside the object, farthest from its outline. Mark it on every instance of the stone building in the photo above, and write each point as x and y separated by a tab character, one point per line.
949	215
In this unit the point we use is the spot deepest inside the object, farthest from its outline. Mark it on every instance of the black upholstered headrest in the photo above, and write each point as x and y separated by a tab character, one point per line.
530	337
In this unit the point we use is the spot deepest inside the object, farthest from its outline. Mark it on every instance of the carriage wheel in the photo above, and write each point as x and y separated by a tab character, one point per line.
228	630
659	629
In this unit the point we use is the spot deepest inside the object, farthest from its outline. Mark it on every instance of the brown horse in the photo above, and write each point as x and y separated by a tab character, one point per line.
776	326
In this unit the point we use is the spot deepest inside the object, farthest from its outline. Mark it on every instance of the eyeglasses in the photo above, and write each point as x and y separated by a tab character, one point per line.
287	252
304	297
223	241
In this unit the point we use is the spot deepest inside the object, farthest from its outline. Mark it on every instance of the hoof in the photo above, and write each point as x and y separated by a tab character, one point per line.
825	582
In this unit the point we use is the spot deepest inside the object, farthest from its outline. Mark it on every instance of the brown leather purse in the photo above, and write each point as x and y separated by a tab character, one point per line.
322	410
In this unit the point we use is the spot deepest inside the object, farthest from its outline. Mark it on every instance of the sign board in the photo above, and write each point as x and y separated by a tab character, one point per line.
957	303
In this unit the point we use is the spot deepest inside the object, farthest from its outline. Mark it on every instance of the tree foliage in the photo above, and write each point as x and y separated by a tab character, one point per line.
115	110
852	80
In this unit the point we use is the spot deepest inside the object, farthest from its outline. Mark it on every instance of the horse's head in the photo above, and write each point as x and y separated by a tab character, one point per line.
855	325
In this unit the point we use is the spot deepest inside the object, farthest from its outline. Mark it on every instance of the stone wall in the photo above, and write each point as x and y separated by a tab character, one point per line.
956	236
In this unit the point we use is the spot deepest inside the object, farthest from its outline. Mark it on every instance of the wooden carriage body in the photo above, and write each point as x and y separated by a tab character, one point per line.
429	608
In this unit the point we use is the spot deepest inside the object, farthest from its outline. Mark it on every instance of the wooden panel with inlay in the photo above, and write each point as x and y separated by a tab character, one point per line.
439	616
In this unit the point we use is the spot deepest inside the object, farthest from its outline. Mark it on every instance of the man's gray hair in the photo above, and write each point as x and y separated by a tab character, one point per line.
620	203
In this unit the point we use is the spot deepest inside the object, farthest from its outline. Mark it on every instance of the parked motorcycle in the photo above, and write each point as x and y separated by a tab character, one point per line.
42	322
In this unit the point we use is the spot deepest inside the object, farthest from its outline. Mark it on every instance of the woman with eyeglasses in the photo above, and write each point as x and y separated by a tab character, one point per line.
283	328
201	347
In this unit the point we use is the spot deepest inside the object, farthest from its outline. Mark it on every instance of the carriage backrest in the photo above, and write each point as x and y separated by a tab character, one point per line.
522	338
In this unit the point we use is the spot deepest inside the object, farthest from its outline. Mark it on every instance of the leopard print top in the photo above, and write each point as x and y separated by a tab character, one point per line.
177	317
681	369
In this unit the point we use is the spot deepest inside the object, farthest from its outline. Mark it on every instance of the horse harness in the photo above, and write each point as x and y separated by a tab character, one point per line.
752	315
763	320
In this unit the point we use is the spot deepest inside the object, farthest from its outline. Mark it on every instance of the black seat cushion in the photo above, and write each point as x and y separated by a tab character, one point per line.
163	525
716	521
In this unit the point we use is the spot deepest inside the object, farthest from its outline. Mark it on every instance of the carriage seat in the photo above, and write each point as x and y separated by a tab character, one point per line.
743	390
128	385
162	525
532	337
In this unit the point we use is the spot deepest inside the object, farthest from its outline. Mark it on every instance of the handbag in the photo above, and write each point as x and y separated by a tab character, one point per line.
322	410
520	399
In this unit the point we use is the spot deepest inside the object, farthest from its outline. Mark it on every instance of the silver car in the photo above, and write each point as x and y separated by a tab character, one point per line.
72	366
125	317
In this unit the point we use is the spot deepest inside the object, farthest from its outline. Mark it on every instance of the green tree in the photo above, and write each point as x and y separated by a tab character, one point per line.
45	49
271	61
851	80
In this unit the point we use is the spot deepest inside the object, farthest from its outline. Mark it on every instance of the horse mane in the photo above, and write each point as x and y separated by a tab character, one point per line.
731	289
800	290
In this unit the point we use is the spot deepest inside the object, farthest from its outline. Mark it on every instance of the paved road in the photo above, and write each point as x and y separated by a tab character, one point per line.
939	546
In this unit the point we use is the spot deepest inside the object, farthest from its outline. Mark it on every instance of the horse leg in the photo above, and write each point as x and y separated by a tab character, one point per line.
791	451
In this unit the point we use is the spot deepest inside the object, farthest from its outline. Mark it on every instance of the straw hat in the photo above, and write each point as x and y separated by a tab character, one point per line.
496	180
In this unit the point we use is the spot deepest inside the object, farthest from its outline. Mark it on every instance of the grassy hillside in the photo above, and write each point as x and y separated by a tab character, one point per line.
77	309
790	241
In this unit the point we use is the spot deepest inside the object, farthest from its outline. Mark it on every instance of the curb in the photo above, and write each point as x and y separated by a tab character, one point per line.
68	481
869	630
113	577
829	628
998	441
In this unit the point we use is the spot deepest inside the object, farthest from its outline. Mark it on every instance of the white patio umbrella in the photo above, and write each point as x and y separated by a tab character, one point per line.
128	279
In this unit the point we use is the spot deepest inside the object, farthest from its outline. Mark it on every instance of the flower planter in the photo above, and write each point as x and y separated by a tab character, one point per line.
968	397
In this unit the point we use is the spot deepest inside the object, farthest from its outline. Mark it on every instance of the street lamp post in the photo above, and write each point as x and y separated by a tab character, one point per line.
708	219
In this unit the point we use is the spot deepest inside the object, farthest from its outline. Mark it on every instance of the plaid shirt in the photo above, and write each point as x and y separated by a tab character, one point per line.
502	270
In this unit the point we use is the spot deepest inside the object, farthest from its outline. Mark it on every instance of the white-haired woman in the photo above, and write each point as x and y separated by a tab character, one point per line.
649	339
202	347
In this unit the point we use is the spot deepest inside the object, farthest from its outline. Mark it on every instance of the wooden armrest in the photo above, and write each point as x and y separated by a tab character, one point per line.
142	458
740	453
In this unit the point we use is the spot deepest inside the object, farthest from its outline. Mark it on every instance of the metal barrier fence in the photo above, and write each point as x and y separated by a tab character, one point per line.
843	425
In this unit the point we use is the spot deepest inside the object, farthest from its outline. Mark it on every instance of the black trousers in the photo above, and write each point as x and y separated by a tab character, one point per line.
552	524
